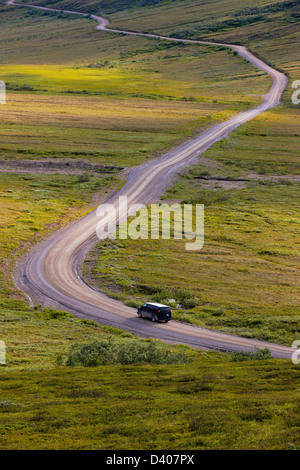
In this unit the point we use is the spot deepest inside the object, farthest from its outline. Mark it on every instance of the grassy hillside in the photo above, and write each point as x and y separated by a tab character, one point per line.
270	29
76	114
96	6
245	279
111	90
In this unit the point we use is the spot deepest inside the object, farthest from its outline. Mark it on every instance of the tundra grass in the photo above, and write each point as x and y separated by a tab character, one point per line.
126	101
270	29
245	280
211	403
160	13
115	100
33	205
163	94
122	132
267	145
107	63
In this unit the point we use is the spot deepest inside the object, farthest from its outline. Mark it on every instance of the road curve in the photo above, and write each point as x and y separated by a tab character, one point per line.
51	272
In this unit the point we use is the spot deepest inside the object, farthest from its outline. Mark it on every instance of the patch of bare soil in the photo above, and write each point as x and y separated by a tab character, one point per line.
67	167
209	162
224	184
215	182
292	178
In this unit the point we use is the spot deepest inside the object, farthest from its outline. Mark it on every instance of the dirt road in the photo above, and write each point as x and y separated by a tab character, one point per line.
50	274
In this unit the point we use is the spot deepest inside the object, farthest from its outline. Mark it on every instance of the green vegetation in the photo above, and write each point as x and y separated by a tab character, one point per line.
245	280
33	205
104	131
112	100
246	16
96	6
42	338
259	354
213	401
117	101
210	403
133	351
270	29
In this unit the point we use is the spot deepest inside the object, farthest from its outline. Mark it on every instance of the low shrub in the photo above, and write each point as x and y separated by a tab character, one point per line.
133	351
208	197
258	354
133	303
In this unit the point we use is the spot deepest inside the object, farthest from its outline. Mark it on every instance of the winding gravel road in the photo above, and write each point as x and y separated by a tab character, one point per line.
50	273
